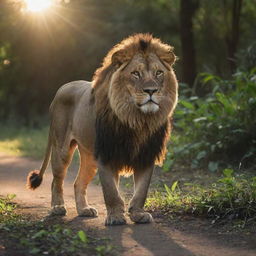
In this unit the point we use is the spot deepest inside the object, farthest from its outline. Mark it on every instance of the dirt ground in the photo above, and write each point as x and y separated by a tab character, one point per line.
183	236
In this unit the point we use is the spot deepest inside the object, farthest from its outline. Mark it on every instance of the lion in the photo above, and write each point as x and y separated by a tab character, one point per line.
120	123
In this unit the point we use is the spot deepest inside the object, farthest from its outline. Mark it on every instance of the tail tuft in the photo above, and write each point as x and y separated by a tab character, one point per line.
34	179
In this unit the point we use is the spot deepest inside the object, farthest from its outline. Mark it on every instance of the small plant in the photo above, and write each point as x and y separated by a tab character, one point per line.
104	250
42	238
53	240
7	208
230	197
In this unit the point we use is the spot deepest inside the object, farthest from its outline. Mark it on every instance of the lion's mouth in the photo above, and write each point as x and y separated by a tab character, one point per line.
149	107
149	101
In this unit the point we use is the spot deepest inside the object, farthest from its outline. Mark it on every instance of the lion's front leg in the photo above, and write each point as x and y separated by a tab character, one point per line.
113	200
142	180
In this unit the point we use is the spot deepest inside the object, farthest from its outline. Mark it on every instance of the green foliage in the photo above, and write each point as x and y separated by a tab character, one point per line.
247	57
82	236
230	197
43	238
217	130
6	209
104	250
53	240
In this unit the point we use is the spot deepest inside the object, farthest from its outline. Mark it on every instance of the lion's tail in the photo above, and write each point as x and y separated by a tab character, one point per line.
35	177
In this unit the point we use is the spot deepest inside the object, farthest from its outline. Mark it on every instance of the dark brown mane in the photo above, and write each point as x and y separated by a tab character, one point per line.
116	145
144	45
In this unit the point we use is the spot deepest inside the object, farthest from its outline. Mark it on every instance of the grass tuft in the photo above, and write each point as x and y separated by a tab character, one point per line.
230	197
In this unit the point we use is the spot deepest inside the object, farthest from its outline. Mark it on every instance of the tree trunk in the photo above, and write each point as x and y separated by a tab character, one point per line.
233	35
188	60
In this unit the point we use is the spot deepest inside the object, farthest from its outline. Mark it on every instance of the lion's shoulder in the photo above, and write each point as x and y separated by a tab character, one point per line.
70	94
73	90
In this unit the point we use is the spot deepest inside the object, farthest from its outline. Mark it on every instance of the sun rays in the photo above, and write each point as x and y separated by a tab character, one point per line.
38	6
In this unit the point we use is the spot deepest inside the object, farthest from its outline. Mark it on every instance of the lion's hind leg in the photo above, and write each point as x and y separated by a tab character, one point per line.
86	173
60	159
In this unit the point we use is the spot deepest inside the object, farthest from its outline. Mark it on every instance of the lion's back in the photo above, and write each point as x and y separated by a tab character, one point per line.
69	95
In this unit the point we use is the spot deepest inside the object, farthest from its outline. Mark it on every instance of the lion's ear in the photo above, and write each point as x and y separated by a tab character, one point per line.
169	57
119	57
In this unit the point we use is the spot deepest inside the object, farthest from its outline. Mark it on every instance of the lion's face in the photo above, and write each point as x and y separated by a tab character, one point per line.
137	83
145	81
144	85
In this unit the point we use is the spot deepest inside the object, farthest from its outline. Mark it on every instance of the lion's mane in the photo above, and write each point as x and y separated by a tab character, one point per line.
126	138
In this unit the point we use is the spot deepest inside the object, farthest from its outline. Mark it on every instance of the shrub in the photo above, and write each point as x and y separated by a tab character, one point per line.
218	128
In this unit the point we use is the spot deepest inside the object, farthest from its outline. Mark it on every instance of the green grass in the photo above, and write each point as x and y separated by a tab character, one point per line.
23	141
7	208
231	197
21	235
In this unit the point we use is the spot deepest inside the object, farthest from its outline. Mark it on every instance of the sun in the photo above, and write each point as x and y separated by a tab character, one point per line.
38	5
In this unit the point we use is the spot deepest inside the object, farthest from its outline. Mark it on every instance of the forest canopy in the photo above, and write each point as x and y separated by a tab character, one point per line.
40	51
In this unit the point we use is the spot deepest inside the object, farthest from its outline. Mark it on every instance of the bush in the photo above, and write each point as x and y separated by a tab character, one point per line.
218	129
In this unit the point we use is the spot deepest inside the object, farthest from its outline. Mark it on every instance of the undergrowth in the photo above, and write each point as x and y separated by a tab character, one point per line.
21	235
7	208
231	197
217	130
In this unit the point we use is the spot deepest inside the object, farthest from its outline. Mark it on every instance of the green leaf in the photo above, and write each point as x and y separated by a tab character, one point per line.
213	166
208	78
11	196
174	185
39	234
228	172
168	191
226	102
82	236
187	104
201	155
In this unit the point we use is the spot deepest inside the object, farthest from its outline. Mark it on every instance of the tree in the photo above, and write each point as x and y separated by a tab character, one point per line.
232	36
188	9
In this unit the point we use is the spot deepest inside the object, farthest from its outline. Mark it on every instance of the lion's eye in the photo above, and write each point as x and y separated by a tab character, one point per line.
159	73
136	74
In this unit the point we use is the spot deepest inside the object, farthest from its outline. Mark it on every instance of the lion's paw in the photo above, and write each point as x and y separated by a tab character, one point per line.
115	219
88	212
58	210
141	217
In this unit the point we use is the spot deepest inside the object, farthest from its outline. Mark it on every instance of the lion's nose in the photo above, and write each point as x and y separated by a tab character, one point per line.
150	91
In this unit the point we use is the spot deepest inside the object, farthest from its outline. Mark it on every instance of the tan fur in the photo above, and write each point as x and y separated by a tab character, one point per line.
113	92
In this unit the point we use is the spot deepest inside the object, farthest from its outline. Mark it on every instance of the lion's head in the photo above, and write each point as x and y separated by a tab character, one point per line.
137	81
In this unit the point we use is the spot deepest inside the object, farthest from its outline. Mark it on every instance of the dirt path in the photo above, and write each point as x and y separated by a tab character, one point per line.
154	239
